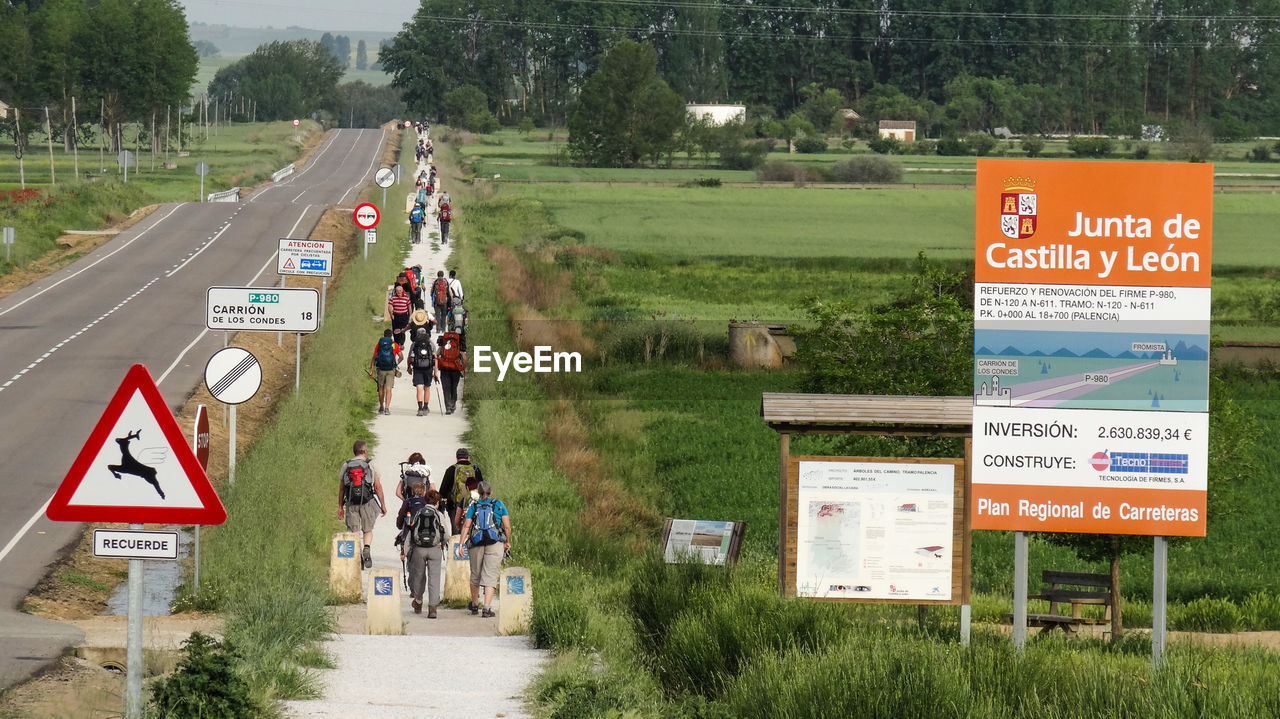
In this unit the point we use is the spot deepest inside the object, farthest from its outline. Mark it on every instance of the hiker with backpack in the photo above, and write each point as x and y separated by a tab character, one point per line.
413	470
422	361
455	288
386	356
424	541
459	481
360	497
419	320
451	360
440	298
399	305
416	216
445	212
487	532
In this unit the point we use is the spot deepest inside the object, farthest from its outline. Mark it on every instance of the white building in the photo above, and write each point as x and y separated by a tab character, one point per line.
903	130
718	114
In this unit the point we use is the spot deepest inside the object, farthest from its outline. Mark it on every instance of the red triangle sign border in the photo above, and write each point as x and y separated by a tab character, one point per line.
137	379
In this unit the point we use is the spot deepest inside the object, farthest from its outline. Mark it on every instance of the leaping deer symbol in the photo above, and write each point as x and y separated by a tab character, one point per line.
130	465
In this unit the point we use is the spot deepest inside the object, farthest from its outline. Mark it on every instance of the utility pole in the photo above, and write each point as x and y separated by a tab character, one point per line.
17	147
74	133
48	136
166	132
153	140
102	142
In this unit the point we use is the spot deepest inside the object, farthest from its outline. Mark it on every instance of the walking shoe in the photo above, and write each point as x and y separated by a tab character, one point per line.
431	612
417	606
473	607
367	558
419	412
487	613
426	409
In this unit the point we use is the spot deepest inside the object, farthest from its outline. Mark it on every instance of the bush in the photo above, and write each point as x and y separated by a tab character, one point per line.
781	171
810	145
1205	615
952	146
205	684
1260	153
922	147
884	145
744	155
1142	151
1089	146
867	168
1033	145
981	143
559	620
482	121
705	182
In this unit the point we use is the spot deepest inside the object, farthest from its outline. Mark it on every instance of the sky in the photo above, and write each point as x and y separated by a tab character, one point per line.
335	15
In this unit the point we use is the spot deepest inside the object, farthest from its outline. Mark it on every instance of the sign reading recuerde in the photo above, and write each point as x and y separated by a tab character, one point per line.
1091	337
132	544
304	257
274	309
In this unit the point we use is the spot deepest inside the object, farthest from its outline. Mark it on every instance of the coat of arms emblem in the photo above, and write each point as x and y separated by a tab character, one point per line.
1018	208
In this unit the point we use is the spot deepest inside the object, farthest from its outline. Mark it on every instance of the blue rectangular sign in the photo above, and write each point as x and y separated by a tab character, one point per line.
313	264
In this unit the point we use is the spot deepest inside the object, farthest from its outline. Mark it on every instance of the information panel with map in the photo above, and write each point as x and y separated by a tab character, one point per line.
877	529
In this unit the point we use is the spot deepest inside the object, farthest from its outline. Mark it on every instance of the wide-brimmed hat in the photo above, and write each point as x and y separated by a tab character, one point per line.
419	317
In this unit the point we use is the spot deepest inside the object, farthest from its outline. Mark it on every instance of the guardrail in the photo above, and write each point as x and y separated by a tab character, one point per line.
232	195
282	173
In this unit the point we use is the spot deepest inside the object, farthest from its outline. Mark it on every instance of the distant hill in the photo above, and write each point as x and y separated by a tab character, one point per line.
244	40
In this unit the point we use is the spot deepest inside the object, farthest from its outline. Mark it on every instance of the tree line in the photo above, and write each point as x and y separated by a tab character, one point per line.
105	62
1082	66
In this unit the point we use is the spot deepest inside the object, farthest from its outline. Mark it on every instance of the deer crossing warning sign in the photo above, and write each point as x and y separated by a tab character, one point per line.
137	466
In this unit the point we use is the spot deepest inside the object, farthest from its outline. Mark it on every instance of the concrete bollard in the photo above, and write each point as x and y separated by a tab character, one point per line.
344	566
409	201
515	600
382	607
457	573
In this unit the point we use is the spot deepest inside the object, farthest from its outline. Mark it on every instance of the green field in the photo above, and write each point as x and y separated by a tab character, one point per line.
238	155
592	462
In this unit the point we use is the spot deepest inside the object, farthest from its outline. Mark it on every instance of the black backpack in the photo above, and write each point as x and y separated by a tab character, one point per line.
357	479
424	356
426	529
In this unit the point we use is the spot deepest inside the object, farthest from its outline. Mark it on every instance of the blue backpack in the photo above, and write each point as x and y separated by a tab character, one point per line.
485	525
415	216
386	354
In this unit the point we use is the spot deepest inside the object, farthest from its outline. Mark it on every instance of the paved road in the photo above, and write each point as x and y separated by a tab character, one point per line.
67	340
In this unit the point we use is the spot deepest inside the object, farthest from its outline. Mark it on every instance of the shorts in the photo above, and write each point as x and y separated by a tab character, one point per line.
386	378
360	517
421	377
486	563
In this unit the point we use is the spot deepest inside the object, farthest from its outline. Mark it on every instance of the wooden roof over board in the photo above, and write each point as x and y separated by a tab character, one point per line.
900	415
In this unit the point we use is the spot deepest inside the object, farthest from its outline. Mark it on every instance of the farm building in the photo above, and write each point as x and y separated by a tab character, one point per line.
719	114
904	130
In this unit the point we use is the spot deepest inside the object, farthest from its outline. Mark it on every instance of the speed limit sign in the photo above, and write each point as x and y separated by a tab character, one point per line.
296	122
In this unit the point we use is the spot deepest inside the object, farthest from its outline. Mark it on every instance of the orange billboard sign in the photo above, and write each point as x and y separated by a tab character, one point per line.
1131	224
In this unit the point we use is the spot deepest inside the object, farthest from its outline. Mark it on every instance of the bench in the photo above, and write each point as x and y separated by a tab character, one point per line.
1070	588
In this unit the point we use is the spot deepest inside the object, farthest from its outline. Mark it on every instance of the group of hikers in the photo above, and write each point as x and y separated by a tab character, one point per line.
430	314
461	509
442	359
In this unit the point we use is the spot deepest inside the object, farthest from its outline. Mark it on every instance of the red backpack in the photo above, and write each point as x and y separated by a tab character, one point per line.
446	212
450	352
440	291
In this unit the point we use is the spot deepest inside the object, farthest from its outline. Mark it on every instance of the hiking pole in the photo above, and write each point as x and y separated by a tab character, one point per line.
404	573
439	396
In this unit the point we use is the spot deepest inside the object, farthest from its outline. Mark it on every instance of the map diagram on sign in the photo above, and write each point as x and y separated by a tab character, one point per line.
874	530
1091	370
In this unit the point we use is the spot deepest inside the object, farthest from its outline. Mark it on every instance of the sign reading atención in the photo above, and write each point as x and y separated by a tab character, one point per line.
305	257
274	309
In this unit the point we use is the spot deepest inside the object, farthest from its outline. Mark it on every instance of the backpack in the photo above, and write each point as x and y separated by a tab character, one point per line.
412	279
446	212
415	215
451	352
457	318
462	475
485	529
426	529
422	196
386	357
357	478
440	291
455	291
423	355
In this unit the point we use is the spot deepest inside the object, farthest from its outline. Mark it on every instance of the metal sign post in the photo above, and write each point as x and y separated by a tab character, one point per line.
133	652
385	178
124	159
200	440
1019	590
202	169
8	242
1159	600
